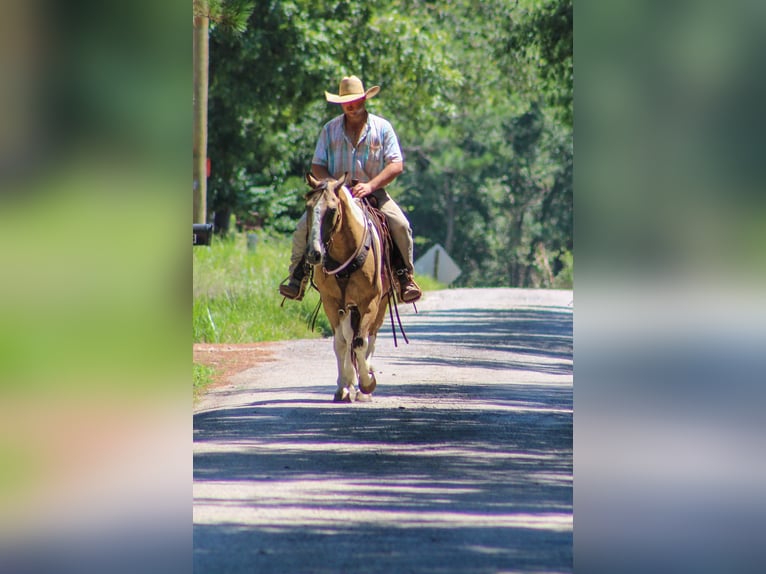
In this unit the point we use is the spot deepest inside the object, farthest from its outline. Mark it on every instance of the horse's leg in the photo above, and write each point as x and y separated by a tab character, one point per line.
359	343
371	339
365	386
342	343
364	344
367	381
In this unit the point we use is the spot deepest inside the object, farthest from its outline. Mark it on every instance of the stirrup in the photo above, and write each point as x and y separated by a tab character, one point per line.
288	282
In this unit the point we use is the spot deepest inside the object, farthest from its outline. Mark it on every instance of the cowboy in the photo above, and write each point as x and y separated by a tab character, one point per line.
366	147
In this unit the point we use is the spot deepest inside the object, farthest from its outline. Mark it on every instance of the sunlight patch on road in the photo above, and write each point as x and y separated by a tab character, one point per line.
462	450
277	518
322	503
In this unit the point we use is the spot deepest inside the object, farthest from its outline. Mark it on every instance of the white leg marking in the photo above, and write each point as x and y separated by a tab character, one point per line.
363	365
371	350
343	337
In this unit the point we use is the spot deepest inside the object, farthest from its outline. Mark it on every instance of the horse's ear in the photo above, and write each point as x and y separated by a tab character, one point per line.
346	180
311	180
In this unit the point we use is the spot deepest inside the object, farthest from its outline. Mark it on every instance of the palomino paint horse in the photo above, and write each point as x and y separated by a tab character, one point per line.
345	249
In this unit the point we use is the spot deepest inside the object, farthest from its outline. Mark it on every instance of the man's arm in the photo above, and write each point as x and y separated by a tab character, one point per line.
389	174
319	171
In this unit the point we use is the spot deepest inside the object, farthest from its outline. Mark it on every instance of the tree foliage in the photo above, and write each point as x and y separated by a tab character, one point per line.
480	94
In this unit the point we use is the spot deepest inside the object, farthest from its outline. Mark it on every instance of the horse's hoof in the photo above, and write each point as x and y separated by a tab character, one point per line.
345	395
371	387
363	397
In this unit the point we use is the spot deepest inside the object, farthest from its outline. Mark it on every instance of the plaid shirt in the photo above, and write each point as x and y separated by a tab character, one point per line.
378	146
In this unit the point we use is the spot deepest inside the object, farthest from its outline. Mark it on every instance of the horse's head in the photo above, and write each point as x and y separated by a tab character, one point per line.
322	210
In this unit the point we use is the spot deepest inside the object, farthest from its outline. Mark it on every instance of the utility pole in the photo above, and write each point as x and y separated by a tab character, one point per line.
200	62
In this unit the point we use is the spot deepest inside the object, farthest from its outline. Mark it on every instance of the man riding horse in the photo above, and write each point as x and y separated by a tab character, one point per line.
366	147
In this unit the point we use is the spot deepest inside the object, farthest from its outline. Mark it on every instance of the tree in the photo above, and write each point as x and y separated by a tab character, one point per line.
541	41
487	133
266	104
492	179
230	15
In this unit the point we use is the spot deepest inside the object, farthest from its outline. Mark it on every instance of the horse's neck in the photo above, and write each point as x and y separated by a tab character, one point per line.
350	233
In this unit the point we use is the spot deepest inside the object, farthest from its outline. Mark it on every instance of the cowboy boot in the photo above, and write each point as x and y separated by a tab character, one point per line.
409	292
296	286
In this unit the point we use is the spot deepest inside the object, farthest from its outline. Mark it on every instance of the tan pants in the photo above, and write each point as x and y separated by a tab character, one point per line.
398	225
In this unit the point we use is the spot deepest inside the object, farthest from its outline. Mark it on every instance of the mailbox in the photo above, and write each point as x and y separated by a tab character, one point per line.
202	233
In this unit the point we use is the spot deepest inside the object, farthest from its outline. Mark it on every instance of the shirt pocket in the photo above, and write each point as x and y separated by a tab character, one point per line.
376	150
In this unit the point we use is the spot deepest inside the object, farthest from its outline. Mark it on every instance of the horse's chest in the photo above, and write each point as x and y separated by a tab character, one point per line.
327	285
339	293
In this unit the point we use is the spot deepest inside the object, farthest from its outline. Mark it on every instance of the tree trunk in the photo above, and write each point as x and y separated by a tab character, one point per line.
516	267
200	63
221	220
449	197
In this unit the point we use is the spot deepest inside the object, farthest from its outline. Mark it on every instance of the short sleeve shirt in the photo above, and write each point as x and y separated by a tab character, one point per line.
377	147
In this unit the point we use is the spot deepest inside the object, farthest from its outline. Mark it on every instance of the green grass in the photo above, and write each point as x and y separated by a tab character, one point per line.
428	283
236	297
203	377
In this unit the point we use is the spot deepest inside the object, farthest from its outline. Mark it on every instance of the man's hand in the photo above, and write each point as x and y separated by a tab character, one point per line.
361	190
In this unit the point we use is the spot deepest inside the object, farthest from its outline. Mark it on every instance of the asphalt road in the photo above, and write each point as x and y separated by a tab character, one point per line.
462	462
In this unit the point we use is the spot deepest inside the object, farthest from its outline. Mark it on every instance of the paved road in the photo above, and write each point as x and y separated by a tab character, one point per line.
462	463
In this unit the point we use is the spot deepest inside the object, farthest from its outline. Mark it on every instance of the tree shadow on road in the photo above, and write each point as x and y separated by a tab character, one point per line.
484	489
519	335
468	479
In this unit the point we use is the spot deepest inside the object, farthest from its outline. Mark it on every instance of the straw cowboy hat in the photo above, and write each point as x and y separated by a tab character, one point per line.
351	89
